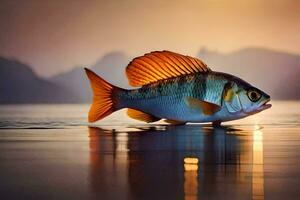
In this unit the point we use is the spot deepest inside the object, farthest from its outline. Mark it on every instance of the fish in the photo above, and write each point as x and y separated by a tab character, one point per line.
178	89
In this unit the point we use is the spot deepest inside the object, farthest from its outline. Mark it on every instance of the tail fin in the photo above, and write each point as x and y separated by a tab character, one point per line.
103	104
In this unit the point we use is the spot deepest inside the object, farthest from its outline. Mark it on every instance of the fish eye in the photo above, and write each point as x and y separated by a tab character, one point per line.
253	95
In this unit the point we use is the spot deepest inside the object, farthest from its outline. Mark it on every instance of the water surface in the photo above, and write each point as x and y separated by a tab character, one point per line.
51	152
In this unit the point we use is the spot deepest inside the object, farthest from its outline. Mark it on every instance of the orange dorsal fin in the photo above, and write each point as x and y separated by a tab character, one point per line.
159	65
142	116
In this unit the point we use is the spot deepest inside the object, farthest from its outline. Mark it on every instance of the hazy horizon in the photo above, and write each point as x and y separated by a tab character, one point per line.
54	36
67	69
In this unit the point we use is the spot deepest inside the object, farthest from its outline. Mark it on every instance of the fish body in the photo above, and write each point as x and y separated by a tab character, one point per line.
187	95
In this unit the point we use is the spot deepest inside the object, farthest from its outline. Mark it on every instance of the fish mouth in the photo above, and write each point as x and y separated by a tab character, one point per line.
263	106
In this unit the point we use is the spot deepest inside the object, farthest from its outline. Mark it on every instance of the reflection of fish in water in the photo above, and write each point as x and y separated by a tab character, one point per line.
175	162
177	88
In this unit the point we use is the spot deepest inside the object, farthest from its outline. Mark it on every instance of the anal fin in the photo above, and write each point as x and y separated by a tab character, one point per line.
142	116
174	122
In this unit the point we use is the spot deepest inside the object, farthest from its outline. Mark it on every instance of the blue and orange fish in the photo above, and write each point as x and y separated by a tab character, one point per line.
176	88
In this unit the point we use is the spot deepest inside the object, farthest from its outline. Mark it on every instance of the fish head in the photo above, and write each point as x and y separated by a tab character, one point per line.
253	100
242	98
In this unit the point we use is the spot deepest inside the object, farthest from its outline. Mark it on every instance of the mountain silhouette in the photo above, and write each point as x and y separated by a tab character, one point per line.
110	67
19	84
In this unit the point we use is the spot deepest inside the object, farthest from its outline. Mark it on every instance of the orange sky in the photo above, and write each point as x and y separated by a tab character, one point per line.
55	35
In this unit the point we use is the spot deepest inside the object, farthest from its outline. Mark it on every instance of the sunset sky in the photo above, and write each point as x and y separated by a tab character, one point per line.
55	35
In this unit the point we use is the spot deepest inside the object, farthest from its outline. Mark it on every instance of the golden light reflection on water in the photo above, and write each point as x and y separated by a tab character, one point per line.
189	160
190	178
257	166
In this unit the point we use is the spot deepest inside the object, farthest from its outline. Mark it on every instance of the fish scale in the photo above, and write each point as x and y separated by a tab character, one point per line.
167	99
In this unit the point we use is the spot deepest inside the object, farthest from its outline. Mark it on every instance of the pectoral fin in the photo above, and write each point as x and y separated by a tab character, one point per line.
139	115
206	107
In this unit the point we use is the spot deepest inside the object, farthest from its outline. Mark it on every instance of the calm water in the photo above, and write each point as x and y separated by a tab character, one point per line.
51	152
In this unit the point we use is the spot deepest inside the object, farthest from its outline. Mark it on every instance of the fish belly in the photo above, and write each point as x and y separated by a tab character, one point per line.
174	108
